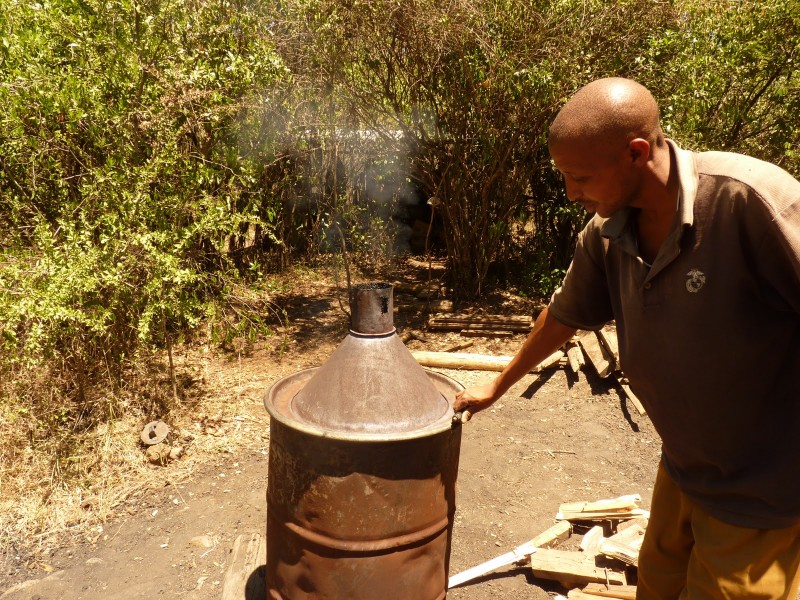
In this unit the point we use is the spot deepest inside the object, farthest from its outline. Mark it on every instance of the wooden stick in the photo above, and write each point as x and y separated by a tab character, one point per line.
477	362
458	347
410	334
553	360
449	360
632	397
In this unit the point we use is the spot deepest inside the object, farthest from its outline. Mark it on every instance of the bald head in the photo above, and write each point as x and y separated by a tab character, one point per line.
607	111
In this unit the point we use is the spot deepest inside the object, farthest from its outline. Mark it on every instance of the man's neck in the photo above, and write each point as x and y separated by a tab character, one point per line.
658	205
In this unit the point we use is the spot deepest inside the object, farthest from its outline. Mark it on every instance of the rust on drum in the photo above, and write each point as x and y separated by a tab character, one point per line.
362	469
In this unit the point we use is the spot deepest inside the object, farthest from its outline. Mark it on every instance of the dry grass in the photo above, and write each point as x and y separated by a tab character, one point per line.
58	481
72	485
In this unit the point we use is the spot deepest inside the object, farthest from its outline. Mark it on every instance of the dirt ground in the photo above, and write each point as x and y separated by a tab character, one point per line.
555	437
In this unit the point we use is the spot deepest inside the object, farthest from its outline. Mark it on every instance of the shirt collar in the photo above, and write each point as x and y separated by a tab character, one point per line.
687	181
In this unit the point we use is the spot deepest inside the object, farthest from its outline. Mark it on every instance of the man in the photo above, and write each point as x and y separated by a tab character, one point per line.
697	258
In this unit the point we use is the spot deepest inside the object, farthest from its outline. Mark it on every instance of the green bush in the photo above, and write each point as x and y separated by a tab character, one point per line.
133	141
465	91
728	79
157	157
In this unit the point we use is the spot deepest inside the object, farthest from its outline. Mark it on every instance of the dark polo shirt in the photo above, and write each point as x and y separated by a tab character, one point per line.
709	336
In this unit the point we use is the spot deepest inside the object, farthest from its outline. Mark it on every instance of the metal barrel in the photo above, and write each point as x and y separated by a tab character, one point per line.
360	520
363	463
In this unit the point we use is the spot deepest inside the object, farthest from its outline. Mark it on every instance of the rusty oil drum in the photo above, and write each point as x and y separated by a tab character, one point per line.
361	489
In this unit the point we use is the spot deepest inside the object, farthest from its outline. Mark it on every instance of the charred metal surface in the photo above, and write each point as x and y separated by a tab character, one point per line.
372	309
362	470
370	385
360	520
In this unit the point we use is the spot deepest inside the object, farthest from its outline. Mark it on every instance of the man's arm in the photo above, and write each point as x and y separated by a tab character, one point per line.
547	336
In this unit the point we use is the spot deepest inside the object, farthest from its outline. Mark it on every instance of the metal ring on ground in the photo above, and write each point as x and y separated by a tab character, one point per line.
154	433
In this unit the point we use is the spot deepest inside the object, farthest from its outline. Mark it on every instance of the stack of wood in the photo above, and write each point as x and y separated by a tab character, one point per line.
418	297
482	326
603	566
617	509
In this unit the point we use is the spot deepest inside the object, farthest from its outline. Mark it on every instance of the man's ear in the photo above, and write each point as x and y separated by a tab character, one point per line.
639	150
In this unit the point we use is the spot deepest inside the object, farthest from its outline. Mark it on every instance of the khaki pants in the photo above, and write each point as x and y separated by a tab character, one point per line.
689	555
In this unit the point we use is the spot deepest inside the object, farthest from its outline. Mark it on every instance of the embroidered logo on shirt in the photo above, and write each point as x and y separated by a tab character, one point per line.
697	279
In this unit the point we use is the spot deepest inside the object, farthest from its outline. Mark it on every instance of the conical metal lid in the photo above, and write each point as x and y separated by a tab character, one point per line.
371	383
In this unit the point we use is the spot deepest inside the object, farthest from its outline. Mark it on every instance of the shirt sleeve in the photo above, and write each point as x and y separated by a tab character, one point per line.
583	300
778	258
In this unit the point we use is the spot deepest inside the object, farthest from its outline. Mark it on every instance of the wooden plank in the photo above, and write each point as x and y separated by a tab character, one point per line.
516	556
572	567
608	337
520	324
596	354
445	322
575	358
489	333
640	521
622	503
576	594
623	592
249	555
479	327
603	515
517	319
553	535
621	508
592	540
625	545
491	327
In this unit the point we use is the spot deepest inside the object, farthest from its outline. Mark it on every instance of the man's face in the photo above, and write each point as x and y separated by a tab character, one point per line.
599	177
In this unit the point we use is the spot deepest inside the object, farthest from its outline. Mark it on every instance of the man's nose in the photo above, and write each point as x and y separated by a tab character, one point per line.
574	192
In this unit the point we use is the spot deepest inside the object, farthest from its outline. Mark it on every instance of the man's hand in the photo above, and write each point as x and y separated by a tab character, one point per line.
476	398
547	336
